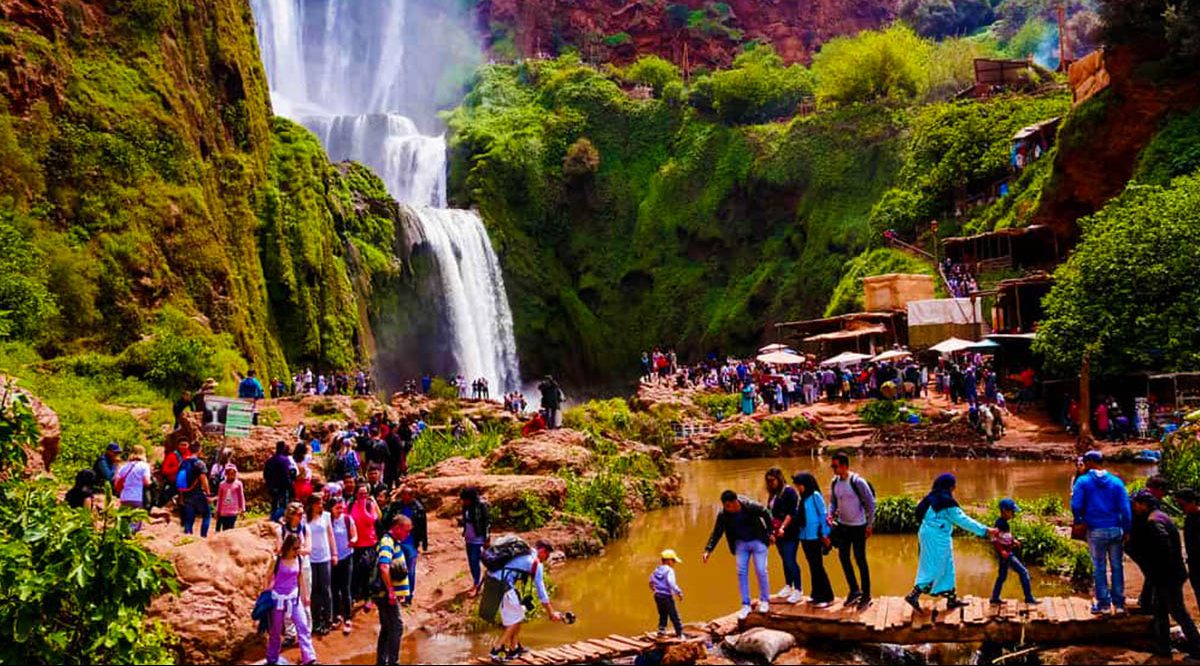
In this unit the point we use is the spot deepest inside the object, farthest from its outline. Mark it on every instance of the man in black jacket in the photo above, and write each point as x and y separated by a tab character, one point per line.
746	525
1154	545
278	474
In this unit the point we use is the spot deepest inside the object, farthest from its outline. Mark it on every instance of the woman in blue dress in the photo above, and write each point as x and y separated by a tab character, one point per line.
748	398
939	514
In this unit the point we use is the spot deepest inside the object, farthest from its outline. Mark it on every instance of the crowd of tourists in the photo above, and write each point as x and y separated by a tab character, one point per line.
959	279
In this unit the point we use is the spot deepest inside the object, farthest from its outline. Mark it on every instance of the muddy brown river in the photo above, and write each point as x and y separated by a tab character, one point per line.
609	594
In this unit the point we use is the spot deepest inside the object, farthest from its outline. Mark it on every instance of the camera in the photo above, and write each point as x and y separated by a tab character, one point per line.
568	618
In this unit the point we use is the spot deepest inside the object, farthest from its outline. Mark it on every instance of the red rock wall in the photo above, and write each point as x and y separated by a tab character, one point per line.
795	27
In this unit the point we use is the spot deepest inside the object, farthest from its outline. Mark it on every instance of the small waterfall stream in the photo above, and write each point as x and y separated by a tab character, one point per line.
364	76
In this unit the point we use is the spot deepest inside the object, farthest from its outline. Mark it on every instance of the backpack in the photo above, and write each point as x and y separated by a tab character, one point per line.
853	486
183	480
398	567
504	550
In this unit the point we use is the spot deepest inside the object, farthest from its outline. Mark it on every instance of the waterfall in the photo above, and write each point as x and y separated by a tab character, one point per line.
365	77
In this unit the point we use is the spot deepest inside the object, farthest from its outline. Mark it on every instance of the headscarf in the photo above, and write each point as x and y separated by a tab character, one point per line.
939	496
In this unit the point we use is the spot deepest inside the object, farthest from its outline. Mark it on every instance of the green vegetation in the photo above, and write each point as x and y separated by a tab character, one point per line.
724	404
73	591
600	499
612	419
93	400
529	512
1138	249
896	514
653	71
887	67
883	412
436	445
758	88
1181	460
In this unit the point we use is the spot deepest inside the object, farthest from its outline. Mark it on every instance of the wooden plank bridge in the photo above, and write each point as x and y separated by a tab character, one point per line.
1052	621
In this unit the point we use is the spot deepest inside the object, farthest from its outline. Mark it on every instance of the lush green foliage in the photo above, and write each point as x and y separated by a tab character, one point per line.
724	404
1139	249
529	512
758	88
848	294
883	412
653	71
873	66
896	514
1181	460
601	499
613	419
93	400
436	445
1174	152
778	431
942	18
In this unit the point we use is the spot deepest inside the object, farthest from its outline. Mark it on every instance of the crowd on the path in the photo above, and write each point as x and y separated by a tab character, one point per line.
960	280
964	378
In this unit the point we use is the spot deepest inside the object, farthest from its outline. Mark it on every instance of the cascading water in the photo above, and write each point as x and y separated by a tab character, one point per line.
361	75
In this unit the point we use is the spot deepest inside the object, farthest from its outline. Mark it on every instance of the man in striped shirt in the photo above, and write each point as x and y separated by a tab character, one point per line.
393	574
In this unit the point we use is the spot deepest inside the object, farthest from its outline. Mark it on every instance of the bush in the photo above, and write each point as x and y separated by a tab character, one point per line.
872	66
896	515
1180	462
77	592
601	499
778	431
440	389
529	512
434	446
25	303
653	71
758	88
879	413
714	404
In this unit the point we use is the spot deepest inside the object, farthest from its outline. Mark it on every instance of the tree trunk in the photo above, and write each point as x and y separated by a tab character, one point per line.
1085	401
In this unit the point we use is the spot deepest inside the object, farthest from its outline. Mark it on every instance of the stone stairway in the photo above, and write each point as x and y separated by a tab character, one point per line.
842	426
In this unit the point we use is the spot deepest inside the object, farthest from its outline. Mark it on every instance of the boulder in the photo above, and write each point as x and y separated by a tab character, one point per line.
502	491
545	452
762	642
220	579
678	654
40	459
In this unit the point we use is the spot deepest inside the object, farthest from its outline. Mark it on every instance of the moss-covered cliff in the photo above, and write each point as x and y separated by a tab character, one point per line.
144	174
625	222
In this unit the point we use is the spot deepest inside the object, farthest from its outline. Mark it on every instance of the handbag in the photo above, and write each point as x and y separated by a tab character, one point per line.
1079	531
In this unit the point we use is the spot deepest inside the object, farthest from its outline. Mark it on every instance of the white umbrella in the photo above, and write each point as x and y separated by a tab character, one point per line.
846	358
774	348
781	358
951	346
891	355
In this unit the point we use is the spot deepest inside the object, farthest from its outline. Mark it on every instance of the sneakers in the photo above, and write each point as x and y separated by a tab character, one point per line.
822	604
662	632
744	612
864	602
853	598
785	592
346	627
795	597
1100	609
764	607
498	655
517	652
1035	600
1119	610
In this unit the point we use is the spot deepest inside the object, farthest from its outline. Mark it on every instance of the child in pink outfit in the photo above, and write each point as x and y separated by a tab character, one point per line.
231	500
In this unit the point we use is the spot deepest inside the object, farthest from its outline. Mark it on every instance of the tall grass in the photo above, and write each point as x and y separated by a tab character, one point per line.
434	446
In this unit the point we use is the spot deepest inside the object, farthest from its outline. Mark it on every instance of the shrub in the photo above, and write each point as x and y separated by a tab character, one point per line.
434	446
1180	462
25	303
653	71
440	389
882	412
77	592
887	66
896	515
529	512
601	499
714	404
778	431
758	88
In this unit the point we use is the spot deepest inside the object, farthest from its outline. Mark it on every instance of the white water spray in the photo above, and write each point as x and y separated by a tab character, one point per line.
357	74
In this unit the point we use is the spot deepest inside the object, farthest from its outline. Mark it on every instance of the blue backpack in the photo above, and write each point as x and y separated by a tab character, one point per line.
182	482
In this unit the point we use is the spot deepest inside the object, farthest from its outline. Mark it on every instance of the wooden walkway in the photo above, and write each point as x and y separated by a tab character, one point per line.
1052	621
594	650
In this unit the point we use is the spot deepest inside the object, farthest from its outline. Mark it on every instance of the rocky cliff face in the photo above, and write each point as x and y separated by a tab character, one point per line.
713	32
144	170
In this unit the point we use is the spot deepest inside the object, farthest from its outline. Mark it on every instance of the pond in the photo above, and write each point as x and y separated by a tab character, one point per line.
609	594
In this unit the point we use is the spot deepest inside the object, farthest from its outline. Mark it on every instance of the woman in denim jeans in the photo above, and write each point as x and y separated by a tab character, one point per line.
476	524
1100	502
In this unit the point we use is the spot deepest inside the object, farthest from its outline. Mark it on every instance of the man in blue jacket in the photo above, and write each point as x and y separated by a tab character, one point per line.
1100	502
250	387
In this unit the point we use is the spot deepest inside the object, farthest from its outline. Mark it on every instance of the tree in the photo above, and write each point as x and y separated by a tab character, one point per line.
653	71
1175	23
888	66
938	19
582	159
758	88
1130	286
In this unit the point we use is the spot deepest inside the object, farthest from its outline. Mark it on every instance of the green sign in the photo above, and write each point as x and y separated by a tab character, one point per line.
239	419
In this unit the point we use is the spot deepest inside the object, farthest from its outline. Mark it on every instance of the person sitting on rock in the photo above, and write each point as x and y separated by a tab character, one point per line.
535	424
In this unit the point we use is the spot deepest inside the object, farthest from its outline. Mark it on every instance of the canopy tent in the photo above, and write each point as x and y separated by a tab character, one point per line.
951	346
781	358
984	347
891	355
774	348
846	358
